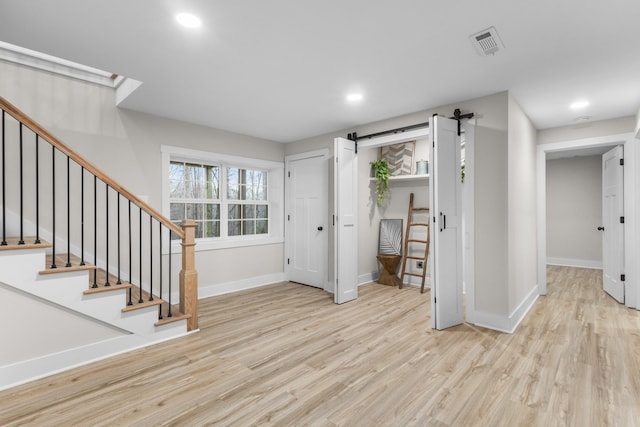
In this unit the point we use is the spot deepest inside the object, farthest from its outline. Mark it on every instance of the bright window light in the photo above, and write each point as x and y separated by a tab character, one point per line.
188	20
578	105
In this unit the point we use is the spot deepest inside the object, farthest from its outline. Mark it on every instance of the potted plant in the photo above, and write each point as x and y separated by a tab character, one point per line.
380	170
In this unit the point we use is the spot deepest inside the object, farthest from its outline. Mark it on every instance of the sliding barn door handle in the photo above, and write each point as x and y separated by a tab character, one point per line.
443	222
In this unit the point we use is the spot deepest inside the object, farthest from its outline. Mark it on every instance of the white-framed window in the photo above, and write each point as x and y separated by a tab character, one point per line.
235	201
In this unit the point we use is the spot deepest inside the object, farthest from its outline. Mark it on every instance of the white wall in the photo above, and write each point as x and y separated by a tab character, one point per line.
54	330
395	206
126	145
574	211
522	203
587	130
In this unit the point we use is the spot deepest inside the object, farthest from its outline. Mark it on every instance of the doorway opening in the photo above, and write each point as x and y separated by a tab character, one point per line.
586	147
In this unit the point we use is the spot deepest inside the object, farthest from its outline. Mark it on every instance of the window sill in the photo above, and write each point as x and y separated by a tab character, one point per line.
215	244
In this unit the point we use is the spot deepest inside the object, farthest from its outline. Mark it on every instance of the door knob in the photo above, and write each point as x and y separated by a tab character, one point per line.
320	228
600	228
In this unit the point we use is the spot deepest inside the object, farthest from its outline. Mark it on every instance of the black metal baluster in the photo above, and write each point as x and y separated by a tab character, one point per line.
21	241
95	231
130	302
68	214
82	216
140	300
37	241
53	203
170	280
4	204
119	282
106	209
150	258
160	264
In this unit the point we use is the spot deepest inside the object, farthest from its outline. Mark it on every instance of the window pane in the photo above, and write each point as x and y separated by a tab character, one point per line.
176	170
262	211
262	227
234	211
198	230
211	211
176	212
248	211
249	227
176	189
260	178
234	228
260	193
211	228
194	211
248	193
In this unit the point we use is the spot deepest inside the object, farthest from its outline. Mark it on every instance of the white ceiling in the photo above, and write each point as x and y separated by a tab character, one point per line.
280	69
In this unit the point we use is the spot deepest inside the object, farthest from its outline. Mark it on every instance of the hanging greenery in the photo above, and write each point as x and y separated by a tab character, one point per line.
381	173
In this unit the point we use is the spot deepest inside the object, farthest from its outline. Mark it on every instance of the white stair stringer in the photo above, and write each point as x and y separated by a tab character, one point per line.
40	367
21	268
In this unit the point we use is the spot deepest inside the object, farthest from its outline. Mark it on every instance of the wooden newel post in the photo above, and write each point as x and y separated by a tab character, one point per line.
189	275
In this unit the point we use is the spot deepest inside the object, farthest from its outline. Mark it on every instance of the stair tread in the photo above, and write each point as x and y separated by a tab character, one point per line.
61	264
139	305
12	244
176	316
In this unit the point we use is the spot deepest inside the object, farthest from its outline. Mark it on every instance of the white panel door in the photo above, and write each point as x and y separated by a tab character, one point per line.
345	190
446	233
306	220
613	234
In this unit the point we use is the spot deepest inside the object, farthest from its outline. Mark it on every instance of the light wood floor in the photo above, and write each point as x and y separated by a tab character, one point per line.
286	355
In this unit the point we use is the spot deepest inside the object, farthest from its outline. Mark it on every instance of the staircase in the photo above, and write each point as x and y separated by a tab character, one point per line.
73	236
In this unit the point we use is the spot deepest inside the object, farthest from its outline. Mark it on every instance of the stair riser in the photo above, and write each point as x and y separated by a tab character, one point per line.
21	267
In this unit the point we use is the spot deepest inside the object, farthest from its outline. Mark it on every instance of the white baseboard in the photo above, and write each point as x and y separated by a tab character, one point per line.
507	324
568	262
40	367
207	291
409	281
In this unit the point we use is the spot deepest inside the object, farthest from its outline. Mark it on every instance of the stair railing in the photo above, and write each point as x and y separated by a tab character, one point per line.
117	216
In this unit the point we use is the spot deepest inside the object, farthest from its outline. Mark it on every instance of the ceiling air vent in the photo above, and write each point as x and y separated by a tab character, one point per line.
486	42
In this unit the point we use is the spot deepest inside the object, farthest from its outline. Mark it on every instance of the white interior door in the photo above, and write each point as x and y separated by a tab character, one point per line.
307	230
446	233
345	191
612	212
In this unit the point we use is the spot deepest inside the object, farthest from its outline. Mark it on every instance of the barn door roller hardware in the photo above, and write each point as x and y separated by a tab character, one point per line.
457	115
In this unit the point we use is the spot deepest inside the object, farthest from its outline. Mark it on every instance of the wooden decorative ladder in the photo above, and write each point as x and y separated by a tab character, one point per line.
423	244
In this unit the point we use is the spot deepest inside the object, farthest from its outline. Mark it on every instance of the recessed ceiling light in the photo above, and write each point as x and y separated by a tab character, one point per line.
188	20
579	104
354	97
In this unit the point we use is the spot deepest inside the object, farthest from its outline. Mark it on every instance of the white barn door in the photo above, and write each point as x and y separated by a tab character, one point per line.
446	232
345	190
613	233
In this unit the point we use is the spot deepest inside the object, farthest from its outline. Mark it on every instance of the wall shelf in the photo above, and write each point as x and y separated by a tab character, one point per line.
407	178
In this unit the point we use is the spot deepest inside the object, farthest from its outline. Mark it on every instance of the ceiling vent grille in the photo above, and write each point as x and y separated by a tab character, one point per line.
486	42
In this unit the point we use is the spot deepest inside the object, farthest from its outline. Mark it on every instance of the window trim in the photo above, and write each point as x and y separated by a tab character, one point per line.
275	194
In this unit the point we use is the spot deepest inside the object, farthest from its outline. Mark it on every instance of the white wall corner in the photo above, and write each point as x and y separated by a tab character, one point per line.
507	324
